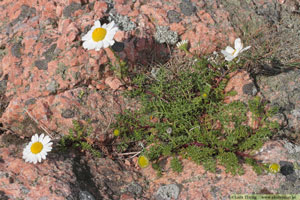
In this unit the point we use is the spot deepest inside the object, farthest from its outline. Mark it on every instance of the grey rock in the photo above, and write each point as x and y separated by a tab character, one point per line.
30	101
135	189
49	54
123	22
173	16
85	195
68	113
214	191
290	187
85	179
167	192
3	196
52	87
41	64
283	91
109	1
296	113
250	89
91	5
67	12
25	190
270	11
164	35
26	12
43	198
283	28
118	46
16	50
3	85
292	148
291	177
187	7
286	168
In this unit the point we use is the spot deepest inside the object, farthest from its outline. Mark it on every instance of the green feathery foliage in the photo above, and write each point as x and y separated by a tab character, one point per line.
77	138
183	114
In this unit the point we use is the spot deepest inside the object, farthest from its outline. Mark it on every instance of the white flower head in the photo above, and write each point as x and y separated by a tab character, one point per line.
169	130
37	149
183	45
231	53
154	72
100	36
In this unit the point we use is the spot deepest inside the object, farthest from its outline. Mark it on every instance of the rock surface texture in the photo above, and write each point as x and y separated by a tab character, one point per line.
62	176
46	73
47	80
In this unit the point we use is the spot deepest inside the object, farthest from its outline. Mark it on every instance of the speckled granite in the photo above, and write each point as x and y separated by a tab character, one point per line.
46	76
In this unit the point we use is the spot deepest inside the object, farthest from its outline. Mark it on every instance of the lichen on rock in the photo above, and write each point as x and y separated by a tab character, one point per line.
164	35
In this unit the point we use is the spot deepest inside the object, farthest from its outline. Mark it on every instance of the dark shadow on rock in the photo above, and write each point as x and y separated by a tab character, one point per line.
3	196
84	179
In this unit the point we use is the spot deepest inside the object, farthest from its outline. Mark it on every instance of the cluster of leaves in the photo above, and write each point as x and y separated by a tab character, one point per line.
183	114
78	138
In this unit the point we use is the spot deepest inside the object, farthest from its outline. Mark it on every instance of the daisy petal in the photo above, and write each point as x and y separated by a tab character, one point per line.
229	58
97	24
113	30
35	138
111	42
48	149
99	45
110	25
229	49
238	44
88	44
225	53
46	139
86	36
105	44
104	26
246	48
41	138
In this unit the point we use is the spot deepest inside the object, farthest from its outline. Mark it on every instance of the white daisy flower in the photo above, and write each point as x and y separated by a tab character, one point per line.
182	44
100	36
231	53
37	149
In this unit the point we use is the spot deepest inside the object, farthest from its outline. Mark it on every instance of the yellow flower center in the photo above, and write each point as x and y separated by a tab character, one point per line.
233	52
204	95
98	34
36	147
143	161
116	132
274	167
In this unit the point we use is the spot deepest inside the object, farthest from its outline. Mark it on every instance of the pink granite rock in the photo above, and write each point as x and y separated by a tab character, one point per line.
242	84
62	175
51	63
47	79
196	183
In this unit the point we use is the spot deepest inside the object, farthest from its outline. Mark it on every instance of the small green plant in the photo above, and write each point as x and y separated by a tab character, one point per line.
183	114
176	165
78	138
120	67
